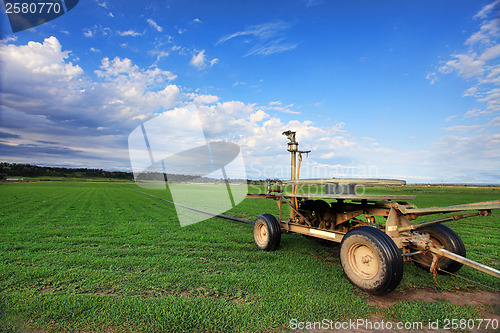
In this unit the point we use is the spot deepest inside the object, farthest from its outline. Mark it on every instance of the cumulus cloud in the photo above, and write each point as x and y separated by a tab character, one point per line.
257	116
56	112
47	98
203	99
45	63
200	61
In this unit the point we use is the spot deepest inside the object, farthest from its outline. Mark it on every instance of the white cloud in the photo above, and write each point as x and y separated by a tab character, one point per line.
203	99
199	60
238	83
88	33
276	46
138	90
467	65
278	106
479	63
312	3
129	33
154	25
102	4
463	128
8	39
59	115
474	144
159	54
38	59
95	30
486	10
93	49
55	114
257	116
476	156
432	77
264	31
267	38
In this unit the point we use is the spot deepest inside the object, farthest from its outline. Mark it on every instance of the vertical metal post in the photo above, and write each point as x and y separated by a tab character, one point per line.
293	176
293	148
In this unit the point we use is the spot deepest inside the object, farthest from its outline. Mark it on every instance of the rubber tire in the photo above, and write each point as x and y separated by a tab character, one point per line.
273	228
390	271
449	241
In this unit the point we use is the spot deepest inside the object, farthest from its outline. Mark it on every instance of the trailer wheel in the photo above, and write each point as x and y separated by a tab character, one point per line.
267	232
371	260
442	237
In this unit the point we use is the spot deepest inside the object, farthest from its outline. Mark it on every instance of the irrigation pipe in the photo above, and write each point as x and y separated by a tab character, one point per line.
237	219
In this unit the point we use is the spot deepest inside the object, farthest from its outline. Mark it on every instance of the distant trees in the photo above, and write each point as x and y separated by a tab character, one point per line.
28	170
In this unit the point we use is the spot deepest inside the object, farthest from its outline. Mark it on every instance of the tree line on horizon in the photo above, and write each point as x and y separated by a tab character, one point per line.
29	170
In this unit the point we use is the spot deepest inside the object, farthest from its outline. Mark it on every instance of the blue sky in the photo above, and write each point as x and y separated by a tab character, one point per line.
393	89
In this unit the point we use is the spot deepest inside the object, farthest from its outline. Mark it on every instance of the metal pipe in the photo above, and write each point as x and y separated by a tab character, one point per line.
465	261
237	219
411	253
425	224
294	187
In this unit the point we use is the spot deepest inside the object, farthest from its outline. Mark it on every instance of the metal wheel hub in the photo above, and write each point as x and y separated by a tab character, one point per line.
262	234
363	261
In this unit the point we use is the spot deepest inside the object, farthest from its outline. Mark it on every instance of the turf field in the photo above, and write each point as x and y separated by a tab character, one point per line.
86	256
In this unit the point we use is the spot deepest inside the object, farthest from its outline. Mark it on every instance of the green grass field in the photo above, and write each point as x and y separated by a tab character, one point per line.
78	256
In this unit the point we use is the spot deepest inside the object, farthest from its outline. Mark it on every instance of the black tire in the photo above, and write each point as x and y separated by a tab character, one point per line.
443	237
371	260
267	232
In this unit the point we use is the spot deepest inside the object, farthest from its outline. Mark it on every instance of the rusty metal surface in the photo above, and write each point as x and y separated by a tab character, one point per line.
350	181
348	210
466	261
305	230
487	205
371	197
446	219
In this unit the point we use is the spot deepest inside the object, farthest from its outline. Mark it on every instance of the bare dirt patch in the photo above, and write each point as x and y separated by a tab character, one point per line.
475	298
478	298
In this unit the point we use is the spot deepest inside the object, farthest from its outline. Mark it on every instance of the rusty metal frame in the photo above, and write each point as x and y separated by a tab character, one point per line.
395	208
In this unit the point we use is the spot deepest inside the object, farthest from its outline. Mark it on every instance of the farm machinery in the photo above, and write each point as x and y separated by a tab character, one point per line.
372	251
